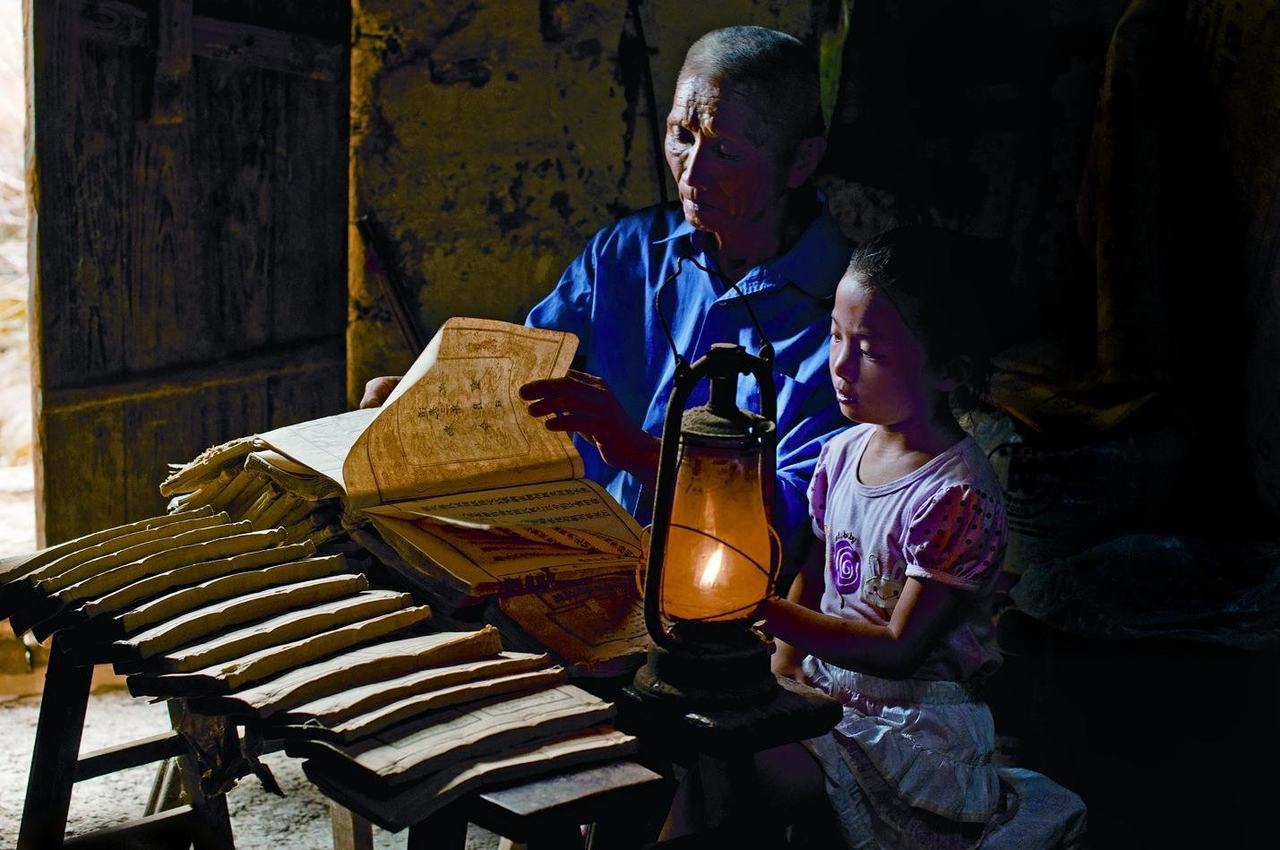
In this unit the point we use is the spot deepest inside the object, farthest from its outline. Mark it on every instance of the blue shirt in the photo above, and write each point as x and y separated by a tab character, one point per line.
605	297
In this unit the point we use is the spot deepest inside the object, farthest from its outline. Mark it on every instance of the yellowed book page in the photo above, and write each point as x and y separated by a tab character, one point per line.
369	666
339	707
456	422
597	628
426	744
416	800
578	504
512	539
411	707
600	743
321	444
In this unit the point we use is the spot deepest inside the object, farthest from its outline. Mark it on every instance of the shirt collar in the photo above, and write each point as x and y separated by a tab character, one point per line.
813	264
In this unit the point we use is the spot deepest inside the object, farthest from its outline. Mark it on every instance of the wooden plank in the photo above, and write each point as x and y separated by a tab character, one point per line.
428	744
252	123
130	217
53	759
111	20
616	791
216	742
329	22
126	25
171	418
334	709
288	363
269	49
84	114
167	322
366	667
221	677
163	829
202	622
350	831
169	95
415	802
309	237
79	488
133	754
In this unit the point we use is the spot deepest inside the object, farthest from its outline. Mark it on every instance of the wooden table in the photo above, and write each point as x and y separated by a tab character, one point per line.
545	814
722	742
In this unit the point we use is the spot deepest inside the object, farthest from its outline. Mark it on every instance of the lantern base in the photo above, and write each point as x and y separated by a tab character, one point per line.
708	664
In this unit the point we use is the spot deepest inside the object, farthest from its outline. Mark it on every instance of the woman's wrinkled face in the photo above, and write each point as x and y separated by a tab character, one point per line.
728	162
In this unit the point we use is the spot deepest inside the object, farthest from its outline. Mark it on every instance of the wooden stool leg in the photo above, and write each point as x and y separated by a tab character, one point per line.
212	823
350	831
57	748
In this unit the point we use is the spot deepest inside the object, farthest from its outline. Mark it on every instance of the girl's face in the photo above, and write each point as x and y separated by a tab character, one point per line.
878	367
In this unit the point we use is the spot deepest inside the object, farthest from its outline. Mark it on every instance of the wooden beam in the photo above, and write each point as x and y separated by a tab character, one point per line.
183	381
211	38
166	829
173	62
111	20
124	756
286	52
53	760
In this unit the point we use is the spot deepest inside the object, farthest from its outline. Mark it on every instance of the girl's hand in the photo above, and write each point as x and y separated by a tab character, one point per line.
788	665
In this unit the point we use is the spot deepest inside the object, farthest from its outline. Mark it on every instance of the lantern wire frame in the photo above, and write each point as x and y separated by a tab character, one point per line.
770	573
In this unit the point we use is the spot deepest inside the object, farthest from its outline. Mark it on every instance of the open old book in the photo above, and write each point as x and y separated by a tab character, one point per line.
459	478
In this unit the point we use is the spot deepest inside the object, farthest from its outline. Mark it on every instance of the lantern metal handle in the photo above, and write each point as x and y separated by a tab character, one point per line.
723	360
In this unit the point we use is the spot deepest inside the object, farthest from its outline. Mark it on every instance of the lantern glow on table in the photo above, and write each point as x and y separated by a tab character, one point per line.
712	555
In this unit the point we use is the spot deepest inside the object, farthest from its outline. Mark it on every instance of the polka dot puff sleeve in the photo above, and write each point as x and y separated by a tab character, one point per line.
956	537
818	494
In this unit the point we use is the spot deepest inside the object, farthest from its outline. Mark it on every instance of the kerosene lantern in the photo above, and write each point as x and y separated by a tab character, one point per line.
713	557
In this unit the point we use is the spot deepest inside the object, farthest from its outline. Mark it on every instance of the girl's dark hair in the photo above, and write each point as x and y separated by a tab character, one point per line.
954	287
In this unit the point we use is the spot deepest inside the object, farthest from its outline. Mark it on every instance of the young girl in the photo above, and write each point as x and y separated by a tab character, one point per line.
891	614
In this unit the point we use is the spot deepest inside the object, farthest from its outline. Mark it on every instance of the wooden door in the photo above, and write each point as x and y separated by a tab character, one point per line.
187	163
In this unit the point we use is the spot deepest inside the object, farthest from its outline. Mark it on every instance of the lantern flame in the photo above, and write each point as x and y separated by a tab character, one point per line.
711	571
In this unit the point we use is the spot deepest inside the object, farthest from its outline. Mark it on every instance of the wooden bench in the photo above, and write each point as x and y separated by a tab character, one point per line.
56	766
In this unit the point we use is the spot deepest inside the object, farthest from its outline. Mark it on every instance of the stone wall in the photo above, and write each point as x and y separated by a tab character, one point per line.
491	140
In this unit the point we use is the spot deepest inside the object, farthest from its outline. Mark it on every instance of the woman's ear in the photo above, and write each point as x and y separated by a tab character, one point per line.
808	154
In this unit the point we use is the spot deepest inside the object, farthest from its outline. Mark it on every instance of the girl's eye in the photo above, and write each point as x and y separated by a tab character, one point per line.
872	356
728	151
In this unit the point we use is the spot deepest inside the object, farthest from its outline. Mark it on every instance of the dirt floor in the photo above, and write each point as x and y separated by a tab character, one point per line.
259	821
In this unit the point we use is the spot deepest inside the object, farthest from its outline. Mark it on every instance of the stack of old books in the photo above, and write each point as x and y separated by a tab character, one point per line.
245	601
298	645
455	488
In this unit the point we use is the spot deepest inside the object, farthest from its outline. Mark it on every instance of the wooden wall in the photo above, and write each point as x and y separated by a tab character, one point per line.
188	175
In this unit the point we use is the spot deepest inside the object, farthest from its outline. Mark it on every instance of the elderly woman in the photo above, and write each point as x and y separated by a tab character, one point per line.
744	135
